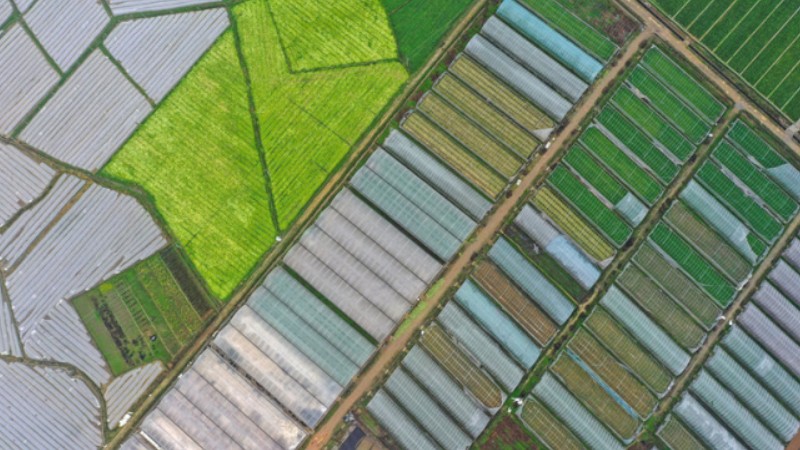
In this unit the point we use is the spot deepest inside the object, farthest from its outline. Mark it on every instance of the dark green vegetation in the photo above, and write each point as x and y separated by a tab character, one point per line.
147	313
604	15
420	25
506	434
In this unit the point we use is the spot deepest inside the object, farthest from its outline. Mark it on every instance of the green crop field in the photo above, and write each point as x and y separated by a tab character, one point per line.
673	281
703	273
750	142
141	315
639	144
622	165
420	25
757	40
226	188
197	158
773	195
597	25
669	104
739	202
585	202
650	121
683	84
547	427
590	170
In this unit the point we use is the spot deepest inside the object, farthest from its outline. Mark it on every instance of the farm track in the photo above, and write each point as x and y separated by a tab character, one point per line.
394	348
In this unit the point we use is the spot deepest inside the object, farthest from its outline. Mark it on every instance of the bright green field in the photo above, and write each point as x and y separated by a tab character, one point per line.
200	158
419	26
309	121
197	158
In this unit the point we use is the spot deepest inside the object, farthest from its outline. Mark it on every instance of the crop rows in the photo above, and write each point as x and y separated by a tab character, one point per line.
572	224
650	121
611	334
755	146
483	146
532	319
693	263
439	345
593	41
585	202
595	174
639	144
618	162
708	242
441	144
683	84
676	435
548	427
745	207
597	400
497	93
616	376
678	285
663	309
772	194
492	120
671	106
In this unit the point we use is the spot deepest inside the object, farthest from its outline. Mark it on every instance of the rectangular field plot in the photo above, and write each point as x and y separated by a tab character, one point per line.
708	242
659	95
496	92
124	313
443	350
759	219
620	344
678	285
594	397
638	144
663	309
701	271
487	115
755	40
590	170
676	435
643	115
483	146
525	312
614	374
584	201
437	141
770	192
634	176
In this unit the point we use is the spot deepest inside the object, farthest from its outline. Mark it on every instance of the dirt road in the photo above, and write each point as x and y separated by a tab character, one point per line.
394	347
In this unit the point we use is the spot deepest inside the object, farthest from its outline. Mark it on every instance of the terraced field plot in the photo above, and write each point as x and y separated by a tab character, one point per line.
758	41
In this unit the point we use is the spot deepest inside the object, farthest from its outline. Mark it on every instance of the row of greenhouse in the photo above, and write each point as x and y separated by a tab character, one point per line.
747	394
643	333
356	272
